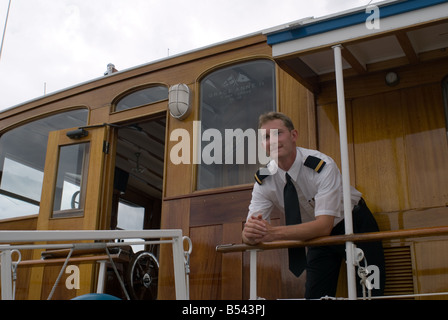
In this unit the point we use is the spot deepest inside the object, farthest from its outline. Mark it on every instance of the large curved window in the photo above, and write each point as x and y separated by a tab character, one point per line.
22	161
232	99
142	97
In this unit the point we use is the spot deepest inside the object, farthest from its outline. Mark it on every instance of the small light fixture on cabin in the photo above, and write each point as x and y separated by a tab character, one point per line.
179	101
392	79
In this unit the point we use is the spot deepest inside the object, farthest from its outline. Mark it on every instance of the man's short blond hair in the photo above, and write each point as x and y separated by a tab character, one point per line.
270	116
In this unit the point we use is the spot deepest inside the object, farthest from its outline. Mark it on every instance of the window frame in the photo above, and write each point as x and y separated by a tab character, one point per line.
235	65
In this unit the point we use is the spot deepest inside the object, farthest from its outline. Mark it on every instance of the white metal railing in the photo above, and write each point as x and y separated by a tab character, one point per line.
11	241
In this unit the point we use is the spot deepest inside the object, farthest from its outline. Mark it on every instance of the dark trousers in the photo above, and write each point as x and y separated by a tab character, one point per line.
323	263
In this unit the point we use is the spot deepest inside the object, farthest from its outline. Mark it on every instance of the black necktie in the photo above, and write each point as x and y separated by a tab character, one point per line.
297	256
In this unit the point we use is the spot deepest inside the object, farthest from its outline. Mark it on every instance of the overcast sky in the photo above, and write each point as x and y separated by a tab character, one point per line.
55	44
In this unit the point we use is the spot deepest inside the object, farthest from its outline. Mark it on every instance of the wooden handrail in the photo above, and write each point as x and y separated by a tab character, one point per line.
340	239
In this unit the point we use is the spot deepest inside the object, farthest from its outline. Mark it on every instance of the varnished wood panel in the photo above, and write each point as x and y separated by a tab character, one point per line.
399	136
205	278
220	208
412	219
426	146
328	131
401	149
175	215
179	177
431	266
379	152
328	134
25	223
232	264
298	103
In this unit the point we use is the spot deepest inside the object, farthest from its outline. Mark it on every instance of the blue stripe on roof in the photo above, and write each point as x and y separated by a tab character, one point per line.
348	20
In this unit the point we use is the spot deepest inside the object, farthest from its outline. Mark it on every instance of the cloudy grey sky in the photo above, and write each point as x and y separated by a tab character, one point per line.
55	44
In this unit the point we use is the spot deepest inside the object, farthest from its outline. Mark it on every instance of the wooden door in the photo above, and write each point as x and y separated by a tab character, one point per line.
71	199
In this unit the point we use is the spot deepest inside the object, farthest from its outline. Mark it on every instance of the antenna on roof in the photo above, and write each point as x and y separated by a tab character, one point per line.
4	29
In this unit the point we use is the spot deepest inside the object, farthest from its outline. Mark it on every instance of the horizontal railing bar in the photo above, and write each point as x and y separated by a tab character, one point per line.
85	245
74	235
26	263
337	240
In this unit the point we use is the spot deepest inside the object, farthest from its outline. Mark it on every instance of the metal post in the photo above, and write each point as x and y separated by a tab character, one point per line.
179	268
253	275
101	276
351	275
6	277
4	29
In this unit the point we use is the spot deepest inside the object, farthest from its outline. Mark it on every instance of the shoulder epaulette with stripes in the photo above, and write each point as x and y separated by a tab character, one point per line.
260	177
315	163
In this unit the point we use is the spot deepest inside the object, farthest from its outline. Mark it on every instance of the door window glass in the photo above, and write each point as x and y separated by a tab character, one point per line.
71	180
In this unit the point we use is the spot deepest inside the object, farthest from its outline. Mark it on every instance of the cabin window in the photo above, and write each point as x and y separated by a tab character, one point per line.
445	101
142	97
231	100
22	160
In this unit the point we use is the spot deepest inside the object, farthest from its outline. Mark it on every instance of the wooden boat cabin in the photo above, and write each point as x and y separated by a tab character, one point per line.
124	151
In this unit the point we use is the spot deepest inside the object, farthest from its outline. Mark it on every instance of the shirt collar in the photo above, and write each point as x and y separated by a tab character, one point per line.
295	168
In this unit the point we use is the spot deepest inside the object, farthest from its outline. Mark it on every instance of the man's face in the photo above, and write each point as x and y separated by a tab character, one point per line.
279	142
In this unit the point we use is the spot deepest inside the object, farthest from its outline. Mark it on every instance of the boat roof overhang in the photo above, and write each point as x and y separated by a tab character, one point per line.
409	32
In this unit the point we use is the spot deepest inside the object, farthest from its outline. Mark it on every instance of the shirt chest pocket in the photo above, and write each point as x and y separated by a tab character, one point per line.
306	202
311	203
306	199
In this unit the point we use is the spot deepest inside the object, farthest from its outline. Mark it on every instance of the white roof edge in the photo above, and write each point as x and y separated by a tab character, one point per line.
309	20
406	19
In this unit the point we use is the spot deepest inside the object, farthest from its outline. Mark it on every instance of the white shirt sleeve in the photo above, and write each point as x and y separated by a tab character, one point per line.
329	185
260	204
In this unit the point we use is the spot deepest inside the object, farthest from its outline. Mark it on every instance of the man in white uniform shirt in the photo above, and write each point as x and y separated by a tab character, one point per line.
318	183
